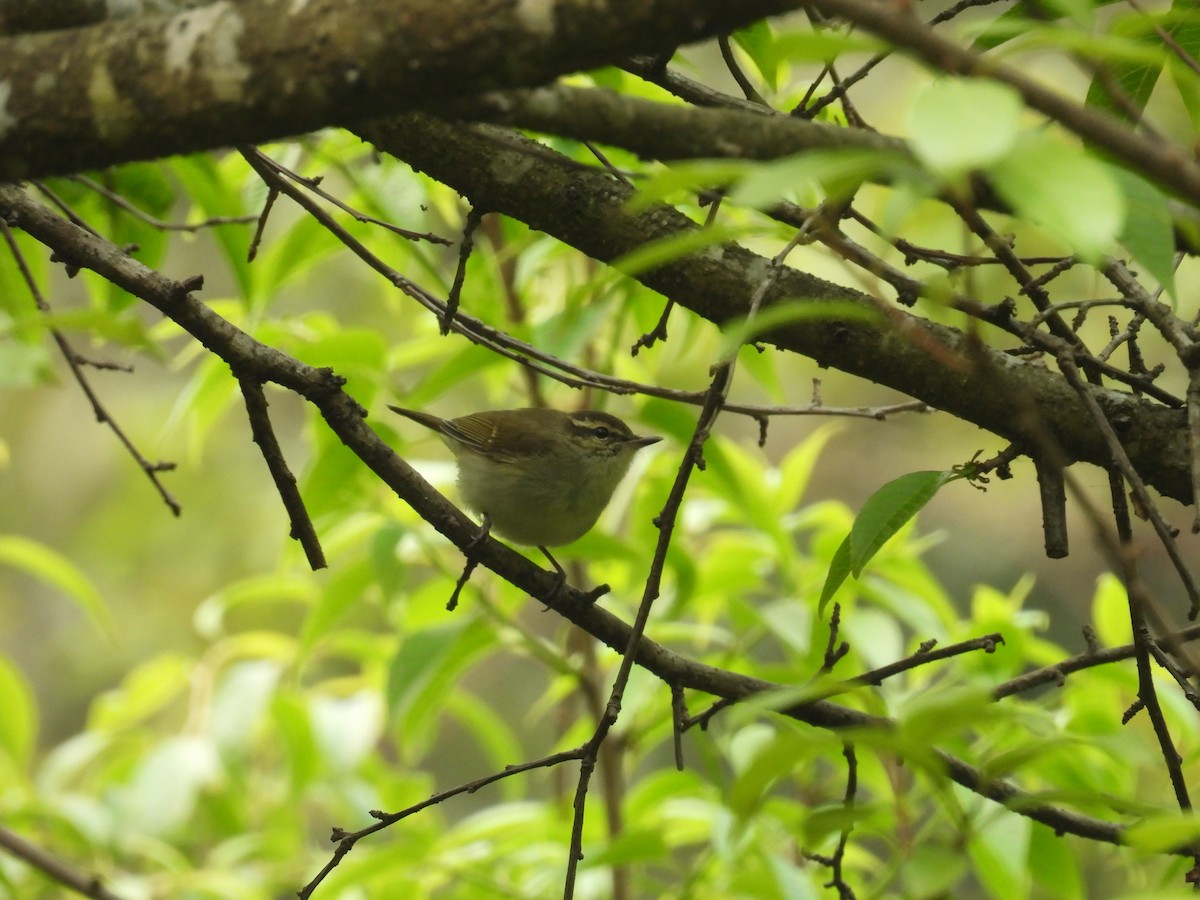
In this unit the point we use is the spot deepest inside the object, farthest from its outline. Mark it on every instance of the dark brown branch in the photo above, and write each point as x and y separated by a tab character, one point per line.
1053	491
347	839
714	285
51	866
285	482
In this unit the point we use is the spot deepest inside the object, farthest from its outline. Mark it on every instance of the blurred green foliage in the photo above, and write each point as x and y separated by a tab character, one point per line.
240	706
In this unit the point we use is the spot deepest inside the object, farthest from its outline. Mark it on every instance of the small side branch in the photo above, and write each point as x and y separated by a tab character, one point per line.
33	855
75	363
285	482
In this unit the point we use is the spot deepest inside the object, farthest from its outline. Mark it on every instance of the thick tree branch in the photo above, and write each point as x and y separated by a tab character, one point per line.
665	131
502	171
247	72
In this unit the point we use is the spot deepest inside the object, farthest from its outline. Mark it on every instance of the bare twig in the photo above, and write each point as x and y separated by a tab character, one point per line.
74	363
285	482
347	839
51	866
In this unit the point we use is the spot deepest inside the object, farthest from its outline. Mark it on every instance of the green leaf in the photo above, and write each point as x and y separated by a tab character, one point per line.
341	593
1062	188
1110	612
1053	866
838	570
653	254
18	715
24	365
758	43
888	509
56	570
633	845
1164	833
932	870
207	183
145	691
795	469
805	46
296	738
273	588
687	177
1000	853
885	512
1148	233
834	173
959	124
425	668
1136	79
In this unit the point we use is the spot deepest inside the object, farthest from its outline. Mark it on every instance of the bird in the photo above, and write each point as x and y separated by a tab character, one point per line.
538	477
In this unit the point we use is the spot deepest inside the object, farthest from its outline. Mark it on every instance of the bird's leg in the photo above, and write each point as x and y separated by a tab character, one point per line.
590	597
485	528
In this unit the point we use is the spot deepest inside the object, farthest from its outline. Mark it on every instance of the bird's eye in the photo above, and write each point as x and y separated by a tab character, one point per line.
602	432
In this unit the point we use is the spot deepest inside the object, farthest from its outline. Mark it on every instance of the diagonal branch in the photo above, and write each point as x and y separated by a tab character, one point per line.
35	856
589	210
285	482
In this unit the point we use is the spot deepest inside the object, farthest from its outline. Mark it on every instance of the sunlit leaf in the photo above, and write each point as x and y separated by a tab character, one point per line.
1148	233
1056	185
1164	832
757	40
888	509
56	570
18	715
956	125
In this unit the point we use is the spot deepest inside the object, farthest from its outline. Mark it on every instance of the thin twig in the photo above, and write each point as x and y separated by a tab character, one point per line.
117	200
52	867
285	482
347	839
73	360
